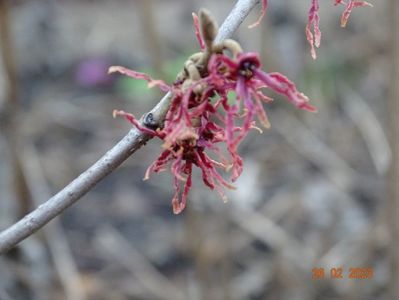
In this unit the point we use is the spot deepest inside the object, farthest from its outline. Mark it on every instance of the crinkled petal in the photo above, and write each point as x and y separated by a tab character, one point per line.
282	85
198	31
262	14
243	94
314	36
138	75
261	112
178	206
132	119
348	10
349	7
159	164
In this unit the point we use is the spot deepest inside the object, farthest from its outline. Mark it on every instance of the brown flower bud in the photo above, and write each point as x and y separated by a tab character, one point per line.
209	27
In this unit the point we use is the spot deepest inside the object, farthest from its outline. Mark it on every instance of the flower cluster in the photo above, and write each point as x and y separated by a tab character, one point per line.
201	118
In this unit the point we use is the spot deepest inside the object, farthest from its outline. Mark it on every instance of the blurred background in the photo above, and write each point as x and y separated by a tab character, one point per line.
319	191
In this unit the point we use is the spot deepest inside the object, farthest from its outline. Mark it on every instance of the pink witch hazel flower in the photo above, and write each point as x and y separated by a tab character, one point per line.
184	151
312	30
202	128
243	75
313	33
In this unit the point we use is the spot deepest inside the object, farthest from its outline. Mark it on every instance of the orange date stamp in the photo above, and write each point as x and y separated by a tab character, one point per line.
341	273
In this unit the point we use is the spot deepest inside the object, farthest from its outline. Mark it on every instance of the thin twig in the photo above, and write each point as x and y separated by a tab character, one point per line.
111	160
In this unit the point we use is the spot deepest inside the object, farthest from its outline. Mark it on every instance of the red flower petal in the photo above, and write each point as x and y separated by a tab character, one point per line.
313	21
198	31
262	14
138	75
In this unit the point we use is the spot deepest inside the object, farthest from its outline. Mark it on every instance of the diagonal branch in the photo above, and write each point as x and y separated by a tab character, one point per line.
111	160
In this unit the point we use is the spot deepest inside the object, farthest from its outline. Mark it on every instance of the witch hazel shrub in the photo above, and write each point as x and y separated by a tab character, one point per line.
203	126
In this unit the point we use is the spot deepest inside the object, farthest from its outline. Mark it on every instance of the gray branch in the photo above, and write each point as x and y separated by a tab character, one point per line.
110	161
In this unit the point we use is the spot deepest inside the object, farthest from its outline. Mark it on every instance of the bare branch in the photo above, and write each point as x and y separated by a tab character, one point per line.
111	160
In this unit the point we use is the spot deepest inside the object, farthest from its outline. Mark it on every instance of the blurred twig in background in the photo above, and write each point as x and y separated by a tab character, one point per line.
393	128
119	249
9	113
111	160
54	232
151	36
370	128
